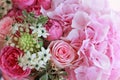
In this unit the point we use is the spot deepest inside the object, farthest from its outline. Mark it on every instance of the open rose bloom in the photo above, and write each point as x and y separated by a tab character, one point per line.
78	37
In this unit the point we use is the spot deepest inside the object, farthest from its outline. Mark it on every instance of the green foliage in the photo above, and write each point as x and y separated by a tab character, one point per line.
44	77
51	73
42	19
30	18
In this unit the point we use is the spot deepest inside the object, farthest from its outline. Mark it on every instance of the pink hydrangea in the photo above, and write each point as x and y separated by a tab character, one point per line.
94	34
98	47
61	10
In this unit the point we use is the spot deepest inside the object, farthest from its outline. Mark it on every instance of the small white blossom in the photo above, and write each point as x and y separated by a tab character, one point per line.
15	27
40	30
35	60
45	54
24	60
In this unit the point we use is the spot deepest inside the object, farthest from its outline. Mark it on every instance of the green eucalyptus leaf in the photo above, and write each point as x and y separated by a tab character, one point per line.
63	73
42	19
40	42
44	77
24	13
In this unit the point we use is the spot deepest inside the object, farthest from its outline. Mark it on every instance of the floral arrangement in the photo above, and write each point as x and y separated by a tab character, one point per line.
59	40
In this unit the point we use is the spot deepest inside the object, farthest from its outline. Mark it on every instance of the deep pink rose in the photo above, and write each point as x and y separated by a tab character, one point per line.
22	4
63	55
9	62
54	29
46	4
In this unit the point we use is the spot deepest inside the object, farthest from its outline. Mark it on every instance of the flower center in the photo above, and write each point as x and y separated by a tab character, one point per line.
26	42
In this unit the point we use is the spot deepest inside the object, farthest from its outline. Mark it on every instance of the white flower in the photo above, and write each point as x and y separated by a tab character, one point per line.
40	30
15	27
45	54
24	61
35	60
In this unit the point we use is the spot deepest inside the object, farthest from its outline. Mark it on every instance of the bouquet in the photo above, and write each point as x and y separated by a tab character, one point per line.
59	40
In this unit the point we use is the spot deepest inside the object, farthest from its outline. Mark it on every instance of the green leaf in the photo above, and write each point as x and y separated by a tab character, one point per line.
40	42
42	19
7	38
63	73
29	17
44	77
24	13
51	77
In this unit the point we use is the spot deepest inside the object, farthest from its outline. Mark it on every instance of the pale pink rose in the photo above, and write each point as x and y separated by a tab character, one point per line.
9	63
54	29
63	55
5	28
22	4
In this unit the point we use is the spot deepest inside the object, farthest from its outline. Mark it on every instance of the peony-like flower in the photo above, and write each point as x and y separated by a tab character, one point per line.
5	27
22	4
54	29
63	55
9	62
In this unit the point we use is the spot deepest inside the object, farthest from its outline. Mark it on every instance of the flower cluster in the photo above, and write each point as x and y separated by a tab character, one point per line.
59	40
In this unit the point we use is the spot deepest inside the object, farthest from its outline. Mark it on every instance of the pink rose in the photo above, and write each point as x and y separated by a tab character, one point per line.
35	9
22	4
9	62
63	55
5	27
54	29
46	4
